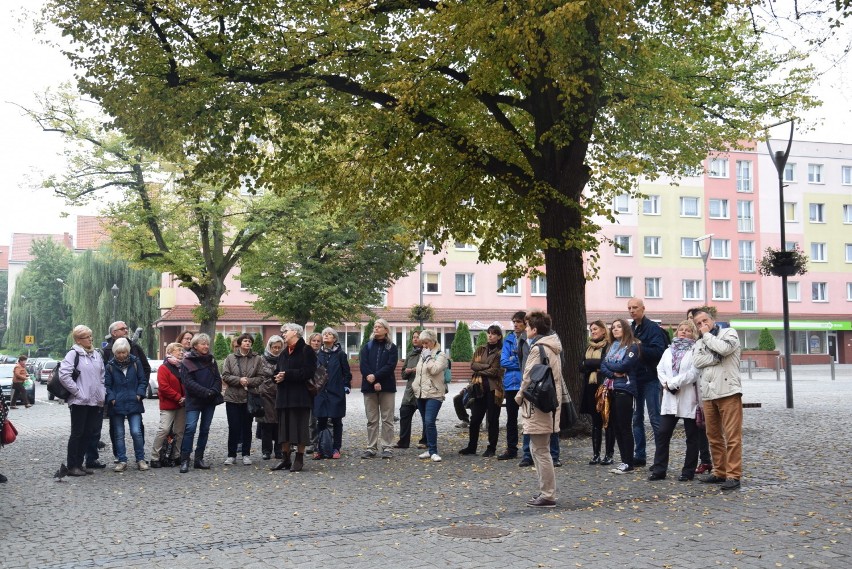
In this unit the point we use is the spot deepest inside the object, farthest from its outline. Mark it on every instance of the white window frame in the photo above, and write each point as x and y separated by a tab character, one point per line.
425	284
717	168
794	291
816	212
652	246
819	291
696	288
538	285
790	245
847	213
848	248
846	175
651	205
748	296
746	254
653	287
818	253
720	248
691	200
469	284
689	242
849	291
723	205
744	176
623	245
745	216
791	168
621	203
815	173
720	290
620	282
511	289
459	246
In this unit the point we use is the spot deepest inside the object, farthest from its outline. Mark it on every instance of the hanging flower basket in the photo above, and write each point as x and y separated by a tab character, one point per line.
783	263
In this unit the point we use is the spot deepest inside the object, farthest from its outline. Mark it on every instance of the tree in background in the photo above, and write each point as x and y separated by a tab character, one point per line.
368	332
462	347
481	339
221	348
4	302
765	341
259	345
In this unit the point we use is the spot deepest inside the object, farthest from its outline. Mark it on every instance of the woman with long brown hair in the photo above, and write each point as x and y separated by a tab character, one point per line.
619	362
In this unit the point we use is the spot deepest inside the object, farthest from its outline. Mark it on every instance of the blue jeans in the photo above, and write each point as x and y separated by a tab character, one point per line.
649	392
554	447
429	411
117	425
206	415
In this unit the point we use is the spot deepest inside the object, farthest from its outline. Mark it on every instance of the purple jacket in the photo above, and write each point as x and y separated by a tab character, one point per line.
89	388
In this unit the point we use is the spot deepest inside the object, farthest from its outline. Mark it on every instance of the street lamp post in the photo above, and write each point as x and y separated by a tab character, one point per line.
780	160
421	247
704	256
114	300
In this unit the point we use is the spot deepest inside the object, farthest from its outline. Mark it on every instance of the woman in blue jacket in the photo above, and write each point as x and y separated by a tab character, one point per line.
126	383
620	361
330	403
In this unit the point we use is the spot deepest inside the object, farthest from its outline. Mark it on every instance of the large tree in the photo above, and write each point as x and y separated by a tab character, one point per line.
513	122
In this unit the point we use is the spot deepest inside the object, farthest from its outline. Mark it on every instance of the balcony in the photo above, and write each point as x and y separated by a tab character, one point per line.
747	264
748	305
745	224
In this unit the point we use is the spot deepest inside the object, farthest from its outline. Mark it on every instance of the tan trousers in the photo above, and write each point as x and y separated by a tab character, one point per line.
724	425
174	420
540	450
379	408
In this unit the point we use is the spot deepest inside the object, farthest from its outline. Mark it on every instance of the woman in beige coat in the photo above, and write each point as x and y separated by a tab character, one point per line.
429	389
537	424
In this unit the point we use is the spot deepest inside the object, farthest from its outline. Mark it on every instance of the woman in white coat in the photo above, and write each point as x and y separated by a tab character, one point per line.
680	399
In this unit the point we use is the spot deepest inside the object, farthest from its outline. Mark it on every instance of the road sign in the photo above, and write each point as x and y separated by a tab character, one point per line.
29	341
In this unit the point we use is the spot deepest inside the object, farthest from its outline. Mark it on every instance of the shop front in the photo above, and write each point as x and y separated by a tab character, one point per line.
811	341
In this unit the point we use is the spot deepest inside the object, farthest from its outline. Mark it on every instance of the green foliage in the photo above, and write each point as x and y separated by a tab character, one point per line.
462	347
259	345
776	262
481	339
368	332
221	348
420	312
4	302
765	341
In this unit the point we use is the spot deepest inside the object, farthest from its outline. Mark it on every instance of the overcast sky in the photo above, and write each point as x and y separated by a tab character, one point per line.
27	154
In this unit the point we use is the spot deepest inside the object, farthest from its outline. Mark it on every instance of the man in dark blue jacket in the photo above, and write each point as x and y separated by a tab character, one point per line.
654	341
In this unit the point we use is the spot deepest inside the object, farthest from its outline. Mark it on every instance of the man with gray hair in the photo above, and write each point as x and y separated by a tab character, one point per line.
378	360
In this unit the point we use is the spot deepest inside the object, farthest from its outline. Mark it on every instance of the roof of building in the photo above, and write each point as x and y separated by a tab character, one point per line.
90	232
23	242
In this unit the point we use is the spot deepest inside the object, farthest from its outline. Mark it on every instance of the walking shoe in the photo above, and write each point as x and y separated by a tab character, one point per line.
437	458
525	462
534	498
704	467
557	463
76	472
595	459
467	450
230	460
421	445
368	454
424	455
142	465
621	468
657	476
730	484
246	460
387	453
507	455
317	455
607	460
488	453
95	465
711	479
684	478
28	405
639	462
397	445
336	454
120	467
266	456
463	425
541	503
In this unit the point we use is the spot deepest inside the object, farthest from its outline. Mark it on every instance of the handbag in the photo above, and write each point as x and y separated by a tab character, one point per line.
9	434
254	403
602	403
318	382
700	420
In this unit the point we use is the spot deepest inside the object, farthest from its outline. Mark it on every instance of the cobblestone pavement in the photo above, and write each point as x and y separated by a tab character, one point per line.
793	509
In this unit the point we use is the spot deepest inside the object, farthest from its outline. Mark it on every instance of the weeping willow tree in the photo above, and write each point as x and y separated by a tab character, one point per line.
89	293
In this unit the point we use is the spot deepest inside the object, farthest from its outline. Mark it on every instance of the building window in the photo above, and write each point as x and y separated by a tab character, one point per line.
721	290
846	175
719	209
621	203
538	285
653	288
790	172
688	207
653	246
849	252
622	245
464	246
432	283
746	256
718	168
744	176
815	173
748	302
508	286
691	289
790	212
847	213
818	292
818	252
793	292
790	245
624	287
848	291
688	247
464	283
720	248
745	216
816	213
651	205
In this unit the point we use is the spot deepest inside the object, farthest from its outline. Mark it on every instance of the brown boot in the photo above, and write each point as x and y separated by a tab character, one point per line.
298	462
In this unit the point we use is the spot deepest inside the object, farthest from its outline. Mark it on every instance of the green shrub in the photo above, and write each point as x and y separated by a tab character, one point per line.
368	332
481	339
221	348
259	345
462	348
765	341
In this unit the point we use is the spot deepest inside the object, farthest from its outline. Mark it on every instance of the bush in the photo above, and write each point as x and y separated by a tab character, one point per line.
221	348
462	348
481	339
766	342
259	345
368	332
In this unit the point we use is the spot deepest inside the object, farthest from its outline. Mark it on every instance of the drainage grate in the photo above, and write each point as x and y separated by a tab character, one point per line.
474	532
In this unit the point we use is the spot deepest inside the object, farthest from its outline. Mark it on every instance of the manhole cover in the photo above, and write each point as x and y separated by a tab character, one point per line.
474	532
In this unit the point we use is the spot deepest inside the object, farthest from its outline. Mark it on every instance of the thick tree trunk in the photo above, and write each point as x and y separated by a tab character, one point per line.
209	298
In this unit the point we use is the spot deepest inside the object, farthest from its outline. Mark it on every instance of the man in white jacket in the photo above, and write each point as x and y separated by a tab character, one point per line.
717	356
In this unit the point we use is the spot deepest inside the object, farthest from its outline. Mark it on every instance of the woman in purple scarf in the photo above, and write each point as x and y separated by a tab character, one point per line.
680	399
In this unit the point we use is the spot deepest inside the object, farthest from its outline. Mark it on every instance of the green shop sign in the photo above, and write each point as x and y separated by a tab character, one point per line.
824	325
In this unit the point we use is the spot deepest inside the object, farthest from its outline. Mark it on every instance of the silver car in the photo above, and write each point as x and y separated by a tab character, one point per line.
153	385
7	372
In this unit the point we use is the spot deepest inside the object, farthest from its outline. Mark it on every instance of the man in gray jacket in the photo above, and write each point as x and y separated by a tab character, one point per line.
717	356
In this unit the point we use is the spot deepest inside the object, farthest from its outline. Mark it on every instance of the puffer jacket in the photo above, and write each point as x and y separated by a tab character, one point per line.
536	422
236	366
331	401
717	357
510	363
89	388
429	380
125	387
408	398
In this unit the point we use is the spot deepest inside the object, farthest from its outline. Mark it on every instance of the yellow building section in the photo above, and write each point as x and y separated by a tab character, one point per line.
825	233
664	220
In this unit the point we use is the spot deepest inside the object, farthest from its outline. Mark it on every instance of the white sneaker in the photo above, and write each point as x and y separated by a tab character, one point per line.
142	465
424	455
436	457
246	460
230	460
622	469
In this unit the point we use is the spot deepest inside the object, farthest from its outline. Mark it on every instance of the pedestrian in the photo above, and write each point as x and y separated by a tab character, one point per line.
378	360
19	377
202	384
705	461
680	399
239	373
86	399
409	402
268	391
330	403
429	389
590	367
540	426
488	375
717	356
512	376
315	341
185	340
172	401
297	364
618	368
126	385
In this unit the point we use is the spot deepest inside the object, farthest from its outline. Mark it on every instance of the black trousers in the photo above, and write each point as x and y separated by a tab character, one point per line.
599	433
239	428
85	423
268	436
664	438
406	415
703	446
621	422
511	421
482	407
19	393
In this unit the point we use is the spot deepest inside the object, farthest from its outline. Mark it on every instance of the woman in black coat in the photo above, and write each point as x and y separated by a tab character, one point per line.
202	383
330	403
296	365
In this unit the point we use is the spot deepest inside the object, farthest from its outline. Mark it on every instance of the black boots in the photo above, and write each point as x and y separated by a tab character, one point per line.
298	462
199	463
607	460
285	463
184	463
596	446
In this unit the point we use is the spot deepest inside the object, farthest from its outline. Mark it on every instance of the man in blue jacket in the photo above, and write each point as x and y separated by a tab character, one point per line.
510	362
654	341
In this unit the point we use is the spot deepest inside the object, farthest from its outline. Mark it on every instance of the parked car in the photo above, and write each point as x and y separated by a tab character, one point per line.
46	370
153	386
6	374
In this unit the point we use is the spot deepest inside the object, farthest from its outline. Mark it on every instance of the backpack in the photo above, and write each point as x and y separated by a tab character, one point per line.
55	387
448	371
325	441
541	391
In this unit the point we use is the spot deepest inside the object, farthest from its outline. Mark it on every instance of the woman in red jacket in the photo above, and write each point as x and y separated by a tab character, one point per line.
172	409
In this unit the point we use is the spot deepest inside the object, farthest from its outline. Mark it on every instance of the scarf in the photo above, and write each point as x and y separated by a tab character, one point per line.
594	351
195	361
173	360
679	348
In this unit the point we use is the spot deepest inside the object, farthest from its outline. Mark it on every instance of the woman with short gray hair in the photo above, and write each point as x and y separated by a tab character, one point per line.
126	384
330	403
200	376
